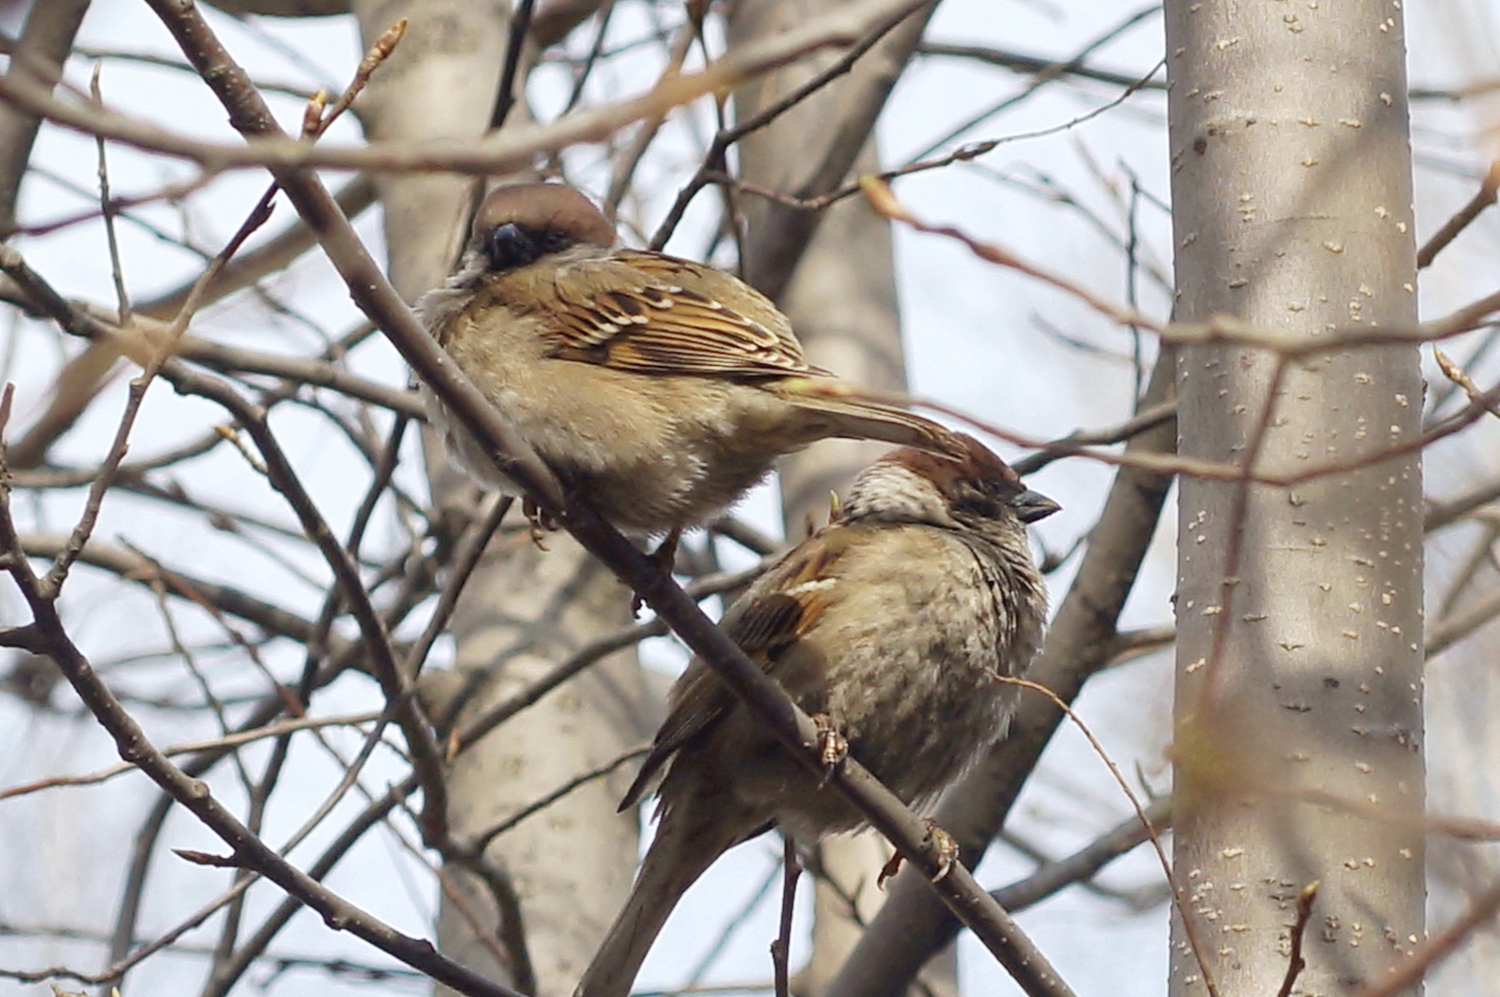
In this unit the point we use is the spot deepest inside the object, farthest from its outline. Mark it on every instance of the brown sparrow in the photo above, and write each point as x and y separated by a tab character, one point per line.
890	625
657	389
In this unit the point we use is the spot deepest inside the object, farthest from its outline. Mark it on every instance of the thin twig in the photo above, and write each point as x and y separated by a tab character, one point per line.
781	947
1046	75
1179	895
482	841
1295	962
46	634
712	161
1483	198
505	96
232	740
1080	867
374	57
117	271
1460	377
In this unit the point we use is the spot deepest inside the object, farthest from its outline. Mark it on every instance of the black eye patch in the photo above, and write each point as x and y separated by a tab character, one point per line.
510	246
979	500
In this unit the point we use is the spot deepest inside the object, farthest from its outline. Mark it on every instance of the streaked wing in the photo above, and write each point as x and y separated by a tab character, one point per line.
782	606
657	314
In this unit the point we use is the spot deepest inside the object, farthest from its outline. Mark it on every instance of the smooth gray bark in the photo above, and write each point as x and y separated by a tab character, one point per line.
1299	608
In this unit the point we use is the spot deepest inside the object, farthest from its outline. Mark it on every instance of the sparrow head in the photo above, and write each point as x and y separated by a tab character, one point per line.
971	489
520	223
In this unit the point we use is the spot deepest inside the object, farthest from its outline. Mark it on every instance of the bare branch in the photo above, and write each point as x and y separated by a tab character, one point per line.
1083	864
500	153
248	850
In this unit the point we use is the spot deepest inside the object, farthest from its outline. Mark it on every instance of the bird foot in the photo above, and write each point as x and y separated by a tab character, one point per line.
833	747
947	850
541	522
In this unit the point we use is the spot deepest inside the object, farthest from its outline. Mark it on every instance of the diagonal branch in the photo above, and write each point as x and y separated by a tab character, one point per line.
374	294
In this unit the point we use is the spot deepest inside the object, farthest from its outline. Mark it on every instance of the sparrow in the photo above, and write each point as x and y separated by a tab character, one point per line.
657	389
891	625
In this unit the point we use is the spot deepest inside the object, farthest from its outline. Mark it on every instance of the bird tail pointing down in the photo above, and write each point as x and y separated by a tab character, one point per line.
680	852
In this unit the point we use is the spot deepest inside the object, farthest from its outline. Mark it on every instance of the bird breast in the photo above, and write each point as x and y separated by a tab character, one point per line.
924	634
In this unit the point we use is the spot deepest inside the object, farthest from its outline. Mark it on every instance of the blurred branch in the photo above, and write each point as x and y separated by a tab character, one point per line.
1408	973
45	40
556	18
505	96
1021	63
1459	624
1450	229
271	256
1131	644
1220	329
319	373
233	740
132	566
1080	867
151	59
1450	511
282	8
505	151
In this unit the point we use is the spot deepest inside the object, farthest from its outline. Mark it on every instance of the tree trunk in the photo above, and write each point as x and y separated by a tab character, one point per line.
1299	608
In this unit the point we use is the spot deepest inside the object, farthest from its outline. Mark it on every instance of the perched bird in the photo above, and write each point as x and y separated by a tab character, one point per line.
657	389
890	625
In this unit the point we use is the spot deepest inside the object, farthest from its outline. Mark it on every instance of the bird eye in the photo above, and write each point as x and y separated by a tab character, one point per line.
979	499
510	246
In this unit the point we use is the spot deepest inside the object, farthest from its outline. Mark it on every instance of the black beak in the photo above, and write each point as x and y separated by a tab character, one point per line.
1031	506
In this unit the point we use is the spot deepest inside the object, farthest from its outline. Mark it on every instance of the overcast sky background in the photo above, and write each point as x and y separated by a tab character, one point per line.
978	338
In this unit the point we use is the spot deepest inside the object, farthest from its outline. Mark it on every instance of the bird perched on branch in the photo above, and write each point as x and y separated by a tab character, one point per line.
892	625
655	388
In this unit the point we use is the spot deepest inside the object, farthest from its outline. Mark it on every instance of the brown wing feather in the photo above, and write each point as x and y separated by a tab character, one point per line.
780	608
657	314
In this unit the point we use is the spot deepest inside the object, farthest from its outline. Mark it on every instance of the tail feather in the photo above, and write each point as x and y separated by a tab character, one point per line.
678	855
832	410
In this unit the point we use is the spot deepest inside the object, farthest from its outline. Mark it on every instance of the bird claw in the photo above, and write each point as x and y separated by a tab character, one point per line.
541	523
947	850
833	747
888	870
